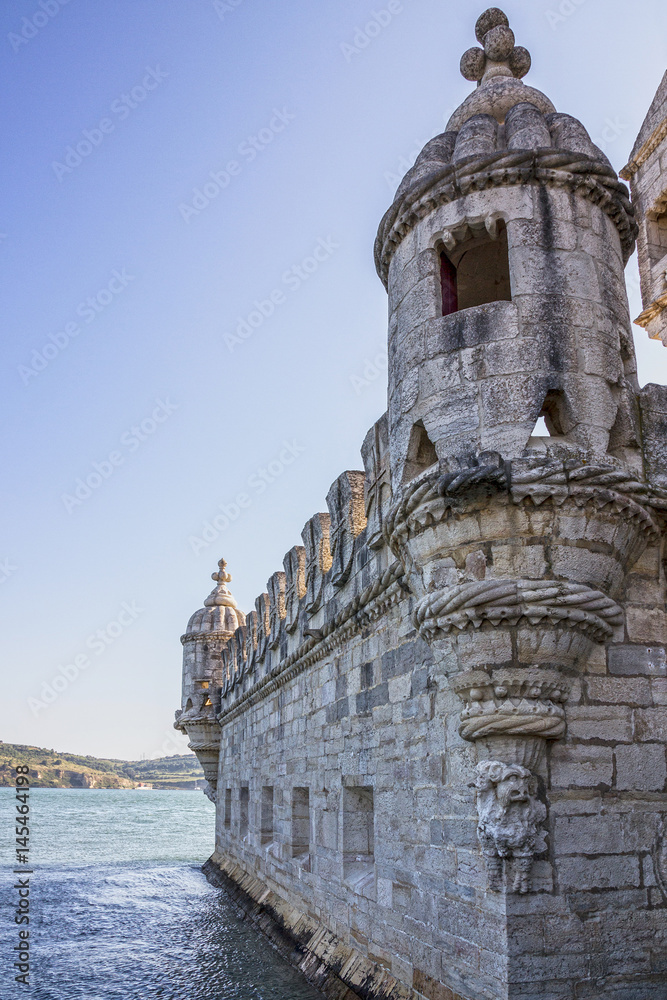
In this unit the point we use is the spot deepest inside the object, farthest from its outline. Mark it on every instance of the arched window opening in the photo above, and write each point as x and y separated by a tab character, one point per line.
553	420
421	453
476	272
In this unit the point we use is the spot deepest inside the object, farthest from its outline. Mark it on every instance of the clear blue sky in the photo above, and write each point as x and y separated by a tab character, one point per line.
114	113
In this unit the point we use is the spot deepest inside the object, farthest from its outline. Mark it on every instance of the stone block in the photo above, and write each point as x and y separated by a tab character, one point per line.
575	766
651	724
612	723
650	661
619	691
646	625
611	871
641	768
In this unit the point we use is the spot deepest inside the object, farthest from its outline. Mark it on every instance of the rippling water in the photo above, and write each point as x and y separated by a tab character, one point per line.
120	908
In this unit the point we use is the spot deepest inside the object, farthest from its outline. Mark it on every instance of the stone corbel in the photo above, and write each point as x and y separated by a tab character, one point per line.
510	822
511	713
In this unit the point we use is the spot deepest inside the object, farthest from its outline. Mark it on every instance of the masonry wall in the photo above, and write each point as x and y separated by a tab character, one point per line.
379	713
371	716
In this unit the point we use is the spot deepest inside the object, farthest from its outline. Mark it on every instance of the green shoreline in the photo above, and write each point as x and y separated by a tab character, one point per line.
50	769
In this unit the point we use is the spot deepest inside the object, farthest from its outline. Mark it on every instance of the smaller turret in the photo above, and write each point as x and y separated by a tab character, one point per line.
208	632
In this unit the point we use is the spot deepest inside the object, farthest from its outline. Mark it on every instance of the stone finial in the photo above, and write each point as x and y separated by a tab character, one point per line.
220	595
499	55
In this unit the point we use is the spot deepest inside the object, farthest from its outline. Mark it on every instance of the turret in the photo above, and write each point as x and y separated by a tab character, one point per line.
206	637
503	255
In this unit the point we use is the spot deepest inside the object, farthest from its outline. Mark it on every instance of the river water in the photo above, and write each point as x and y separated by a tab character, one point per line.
120	910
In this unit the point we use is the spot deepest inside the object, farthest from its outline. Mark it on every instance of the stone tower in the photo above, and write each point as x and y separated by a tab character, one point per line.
209	631
647	173
441	734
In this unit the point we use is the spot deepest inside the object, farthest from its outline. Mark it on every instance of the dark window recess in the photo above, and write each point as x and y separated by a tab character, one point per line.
554	412
450	298
300	822
477	273
244	799
228	807
267	814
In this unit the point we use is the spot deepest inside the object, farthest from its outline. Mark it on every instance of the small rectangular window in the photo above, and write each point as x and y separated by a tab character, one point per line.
228	807
358	833
477	272
300	822
267	814
244	799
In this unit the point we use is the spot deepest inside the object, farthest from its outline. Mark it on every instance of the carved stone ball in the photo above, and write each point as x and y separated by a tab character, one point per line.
472	64
519	61
476	694
501	691
491	18
498	43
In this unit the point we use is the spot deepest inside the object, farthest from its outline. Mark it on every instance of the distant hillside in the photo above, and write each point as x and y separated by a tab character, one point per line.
49	769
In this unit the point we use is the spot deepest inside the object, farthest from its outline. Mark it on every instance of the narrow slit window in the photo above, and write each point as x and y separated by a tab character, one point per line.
450	297
228	807
300	822
267	814
244	800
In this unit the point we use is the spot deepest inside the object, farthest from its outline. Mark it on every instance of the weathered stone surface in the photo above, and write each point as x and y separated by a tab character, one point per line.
437	745
628	660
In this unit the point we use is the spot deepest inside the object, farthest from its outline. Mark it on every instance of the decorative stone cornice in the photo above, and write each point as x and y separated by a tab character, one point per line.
373	602
512	702
572	605
431	498
193	717
642	155
594	180
652	311
221	636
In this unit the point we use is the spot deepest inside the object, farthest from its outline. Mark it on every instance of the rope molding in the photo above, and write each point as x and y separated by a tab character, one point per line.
596	181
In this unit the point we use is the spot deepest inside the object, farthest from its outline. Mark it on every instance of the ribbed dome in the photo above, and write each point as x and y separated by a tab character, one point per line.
220	613
502	114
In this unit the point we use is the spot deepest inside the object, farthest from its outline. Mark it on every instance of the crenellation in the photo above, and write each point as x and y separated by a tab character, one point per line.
276	592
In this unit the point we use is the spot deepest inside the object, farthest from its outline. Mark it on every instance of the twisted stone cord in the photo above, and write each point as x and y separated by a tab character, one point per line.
557	479
478	727
510	596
